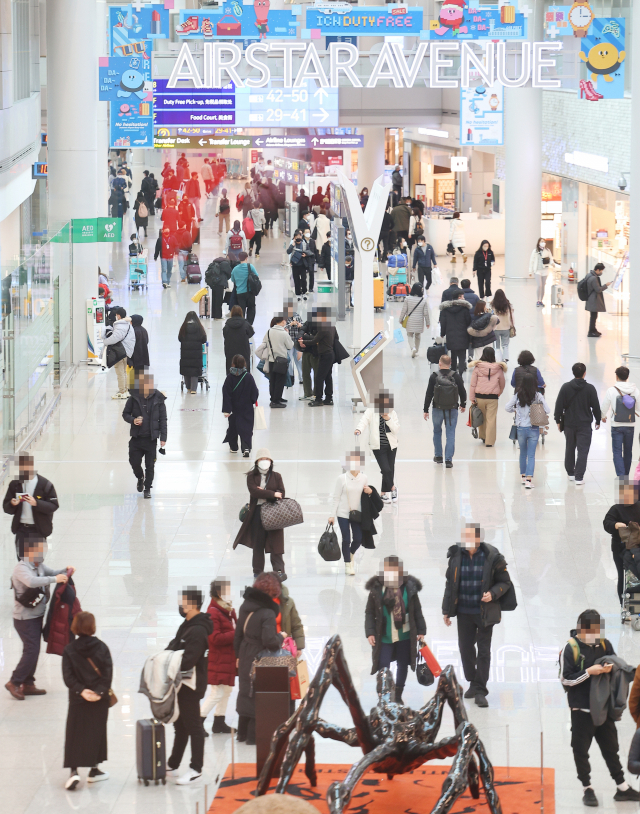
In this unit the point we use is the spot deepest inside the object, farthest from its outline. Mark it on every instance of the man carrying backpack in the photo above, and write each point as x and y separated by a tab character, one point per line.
588	654
217	278
248	286
622	400
445	387
591	292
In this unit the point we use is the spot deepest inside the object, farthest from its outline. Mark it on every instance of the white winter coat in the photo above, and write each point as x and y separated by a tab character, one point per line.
418	310
456	234
371	421
122	332
536	266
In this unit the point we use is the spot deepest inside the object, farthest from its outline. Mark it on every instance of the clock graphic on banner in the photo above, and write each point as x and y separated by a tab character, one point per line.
580	17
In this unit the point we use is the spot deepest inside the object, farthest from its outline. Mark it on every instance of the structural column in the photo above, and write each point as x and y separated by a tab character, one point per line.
103	179
634	205
73	115
370	157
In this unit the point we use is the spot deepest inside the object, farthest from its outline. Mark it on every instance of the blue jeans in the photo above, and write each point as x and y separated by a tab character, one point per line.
167	266
622	444
293	354
528	441
347	529
182	257
450	418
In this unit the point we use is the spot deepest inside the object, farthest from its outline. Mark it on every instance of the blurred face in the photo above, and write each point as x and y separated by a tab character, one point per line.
166	232
627	494
485	247
264	464
36	552
146	384
384	402
27	468
354	462
392	575
542	244
590	635
469	539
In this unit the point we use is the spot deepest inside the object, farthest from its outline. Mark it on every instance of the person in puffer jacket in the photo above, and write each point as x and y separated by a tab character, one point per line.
121	331
63	607
487	384
481	330
221	674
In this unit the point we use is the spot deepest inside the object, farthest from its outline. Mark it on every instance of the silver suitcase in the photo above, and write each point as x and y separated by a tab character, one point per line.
557	295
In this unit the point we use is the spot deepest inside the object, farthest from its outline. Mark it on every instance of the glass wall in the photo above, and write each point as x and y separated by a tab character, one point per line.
36	334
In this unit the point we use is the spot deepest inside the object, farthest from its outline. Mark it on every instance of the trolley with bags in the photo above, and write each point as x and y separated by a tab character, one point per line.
631	600
203	380
138	270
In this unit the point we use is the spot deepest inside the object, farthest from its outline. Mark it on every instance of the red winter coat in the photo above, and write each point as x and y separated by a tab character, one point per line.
222	657
63	607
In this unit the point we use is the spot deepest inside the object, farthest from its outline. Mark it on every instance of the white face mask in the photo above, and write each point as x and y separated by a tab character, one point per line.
354	466
307	235
542	245
591	638
391	577
264	466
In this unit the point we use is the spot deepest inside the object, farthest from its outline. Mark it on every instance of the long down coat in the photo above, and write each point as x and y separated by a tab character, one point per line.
275	539
221	668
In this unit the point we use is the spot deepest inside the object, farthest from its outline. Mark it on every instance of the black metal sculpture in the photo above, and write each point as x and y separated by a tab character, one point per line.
395	739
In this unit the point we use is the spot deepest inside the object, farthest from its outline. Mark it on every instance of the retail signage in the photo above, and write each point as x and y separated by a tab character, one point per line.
602	51
482	115
457	22
600	163
572	20
96	230
205	131
130	26
168	142
459	163
239	20
290	170
220	61
328	40
131	124
365	20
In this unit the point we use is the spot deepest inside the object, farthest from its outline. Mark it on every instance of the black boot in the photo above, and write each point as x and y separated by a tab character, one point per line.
243	724
399	695
219	726
251	732
206	734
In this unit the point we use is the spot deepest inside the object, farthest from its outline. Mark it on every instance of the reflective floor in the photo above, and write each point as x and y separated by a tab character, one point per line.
132	556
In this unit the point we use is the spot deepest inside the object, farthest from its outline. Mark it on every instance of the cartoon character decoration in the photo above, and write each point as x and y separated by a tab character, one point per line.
452	17
261	8
125	110
132	82
603	59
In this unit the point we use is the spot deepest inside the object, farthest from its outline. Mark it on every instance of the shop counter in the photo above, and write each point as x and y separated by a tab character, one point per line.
491	229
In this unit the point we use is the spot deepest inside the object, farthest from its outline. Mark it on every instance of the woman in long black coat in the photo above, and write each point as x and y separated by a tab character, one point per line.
86	736
139	359
236	333
239	394
254	634
192	337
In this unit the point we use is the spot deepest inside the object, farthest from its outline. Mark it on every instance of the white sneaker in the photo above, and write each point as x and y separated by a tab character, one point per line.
189	778
529	485
386	498
97	777
172	773
414	353
394	495
579	483
72	782
347	569
572	477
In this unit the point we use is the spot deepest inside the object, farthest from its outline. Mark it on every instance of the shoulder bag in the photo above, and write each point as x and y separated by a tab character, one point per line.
280	514
280	364
537	415
512	329
355	516
405	319
328	547
116	352
112	696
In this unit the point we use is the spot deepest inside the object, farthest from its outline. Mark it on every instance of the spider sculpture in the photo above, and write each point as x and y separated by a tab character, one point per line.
395	739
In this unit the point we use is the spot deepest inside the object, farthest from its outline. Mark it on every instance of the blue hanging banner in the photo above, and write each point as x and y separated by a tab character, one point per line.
246	20
130	26
603	54
458	21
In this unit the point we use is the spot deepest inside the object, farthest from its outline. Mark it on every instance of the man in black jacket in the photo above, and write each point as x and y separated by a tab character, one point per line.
32	500
577	406
453	292
323	340
626	510
146	411
303	203
477	579
193	638
309	354
577	664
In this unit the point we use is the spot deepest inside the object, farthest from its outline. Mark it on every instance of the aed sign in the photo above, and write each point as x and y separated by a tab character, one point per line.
484	60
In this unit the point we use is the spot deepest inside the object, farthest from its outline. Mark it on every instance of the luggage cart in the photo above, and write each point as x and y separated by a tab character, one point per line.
138	270
631	600
203	381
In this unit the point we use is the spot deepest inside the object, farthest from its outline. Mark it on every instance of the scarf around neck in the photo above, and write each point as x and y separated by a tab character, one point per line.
394	602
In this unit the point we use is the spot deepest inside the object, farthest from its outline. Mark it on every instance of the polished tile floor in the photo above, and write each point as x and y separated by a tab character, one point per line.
132	556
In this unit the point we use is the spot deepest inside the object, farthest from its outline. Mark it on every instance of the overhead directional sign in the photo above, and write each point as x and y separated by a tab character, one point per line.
324	142
235	142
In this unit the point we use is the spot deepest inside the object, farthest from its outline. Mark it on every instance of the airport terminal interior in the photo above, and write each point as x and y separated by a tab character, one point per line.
483	150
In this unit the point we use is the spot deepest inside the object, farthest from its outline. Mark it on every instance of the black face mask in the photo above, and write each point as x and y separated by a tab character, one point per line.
181	612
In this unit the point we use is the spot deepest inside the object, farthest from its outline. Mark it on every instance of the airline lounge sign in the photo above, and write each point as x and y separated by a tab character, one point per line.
221	60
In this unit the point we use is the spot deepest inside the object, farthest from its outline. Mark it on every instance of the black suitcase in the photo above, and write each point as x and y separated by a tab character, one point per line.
150	751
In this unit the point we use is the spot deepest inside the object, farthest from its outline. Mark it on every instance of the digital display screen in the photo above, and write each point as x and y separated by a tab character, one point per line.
377	339
624	265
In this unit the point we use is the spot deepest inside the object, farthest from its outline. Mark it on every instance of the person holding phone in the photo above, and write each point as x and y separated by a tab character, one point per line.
539	263
32	500
595	301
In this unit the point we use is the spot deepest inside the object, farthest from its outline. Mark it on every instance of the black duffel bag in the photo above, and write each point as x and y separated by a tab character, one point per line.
328	547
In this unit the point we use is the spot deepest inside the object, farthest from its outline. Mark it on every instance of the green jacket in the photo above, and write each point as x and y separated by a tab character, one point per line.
290	619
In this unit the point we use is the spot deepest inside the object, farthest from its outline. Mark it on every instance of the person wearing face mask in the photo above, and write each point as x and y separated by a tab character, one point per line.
32	500
30	581
588	654
221	671
381	421
478	588
192	637
483	259
347	497
541	260
595	300
296	249
310	253
239	394
263	484
393	620
626	510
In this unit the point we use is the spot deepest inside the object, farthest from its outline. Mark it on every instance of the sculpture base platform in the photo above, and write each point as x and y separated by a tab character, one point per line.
416	792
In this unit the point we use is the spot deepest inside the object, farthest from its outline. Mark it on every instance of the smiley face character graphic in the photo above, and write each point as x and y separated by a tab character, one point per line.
451	17
261	8
603	59
131	82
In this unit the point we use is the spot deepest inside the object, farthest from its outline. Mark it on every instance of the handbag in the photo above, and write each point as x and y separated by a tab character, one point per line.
328	547
450	249
537	415
630	535
430	659
405	319
280	364
112	696
423	673
244	511
259	421
512	329
513	432
231	28
280	514
116	352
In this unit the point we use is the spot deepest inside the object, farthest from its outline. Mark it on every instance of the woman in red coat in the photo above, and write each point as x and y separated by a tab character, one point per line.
222	657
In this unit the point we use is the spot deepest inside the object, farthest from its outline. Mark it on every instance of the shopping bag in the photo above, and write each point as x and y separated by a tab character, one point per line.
199	294
294	689
436	275
303	677
259	421
431	660
398	336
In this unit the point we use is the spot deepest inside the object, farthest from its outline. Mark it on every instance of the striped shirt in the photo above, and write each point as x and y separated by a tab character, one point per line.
384	429
470	592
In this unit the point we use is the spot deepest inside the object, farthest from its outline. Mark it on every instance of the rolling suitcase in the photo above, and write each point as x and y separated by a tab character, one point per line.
192	268
150	751
204	310
378	293
557	293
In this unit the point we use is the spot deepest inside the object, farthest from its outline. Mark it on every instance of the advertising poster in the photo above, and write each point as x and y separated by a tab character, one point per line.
482	115
602	52
238	20
131	124
337	19
129	27
458	20
126	78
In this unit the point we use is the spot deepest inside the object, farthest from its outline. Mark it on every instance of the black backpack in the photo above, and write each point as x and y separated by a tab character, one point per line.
445	394
254	286
583	288
214	275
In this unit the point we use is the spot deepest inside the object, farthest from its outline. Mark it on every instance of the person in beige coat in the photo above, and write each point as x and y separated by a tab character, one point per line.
276	343
487	384
382	422
416	309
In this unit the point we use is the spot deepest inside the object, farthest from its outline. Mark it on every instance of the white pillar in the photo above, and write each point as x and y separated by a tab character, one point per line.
370	157
102	178
72	110
634	207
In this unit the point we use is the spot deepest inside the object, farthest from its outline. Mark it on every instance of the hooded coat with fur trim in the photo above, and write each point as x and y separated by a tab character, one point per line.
487	378
482	328
455	318
374	617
